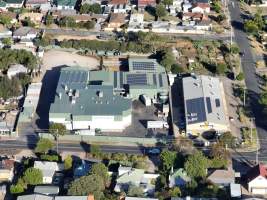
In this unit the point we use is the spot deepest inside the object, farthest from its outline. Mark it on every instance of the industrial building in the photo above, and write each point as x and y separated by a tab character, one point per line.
205	105
90	100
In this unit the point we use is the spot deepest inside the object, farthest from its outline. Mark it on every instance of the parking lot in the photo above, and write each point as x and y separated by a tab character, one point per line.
140	115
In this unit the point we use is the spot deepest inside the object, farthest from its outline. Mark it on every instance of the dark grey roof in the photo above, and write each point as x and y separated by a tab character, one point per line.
196	110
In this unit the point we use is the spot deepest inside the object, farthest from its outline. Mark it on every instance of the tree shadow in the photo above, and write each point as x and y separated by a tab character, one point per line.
237	25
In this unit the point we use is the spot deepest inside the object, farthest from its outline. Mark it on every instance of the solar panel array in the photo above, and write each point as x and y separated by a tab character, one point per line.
196	110
208	104
146	66
136	79
217	102
160	80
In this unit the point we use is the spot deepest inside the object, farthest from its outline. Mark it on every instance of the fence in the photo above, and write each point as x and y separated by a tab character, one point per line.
112	140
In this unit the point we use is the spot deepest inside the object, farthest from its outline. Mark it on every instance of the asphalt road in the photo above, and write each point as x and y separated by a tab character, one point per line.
251	80
72	147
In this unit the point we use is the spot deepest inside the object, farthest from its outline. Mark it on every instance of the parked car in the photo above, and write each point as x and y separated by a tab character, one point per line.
154	151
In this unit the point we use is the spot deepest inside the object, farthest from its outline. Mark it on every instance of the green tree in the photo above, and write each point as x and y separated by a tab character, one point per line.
9	87
33	176
67	22
27	22
16	189
251	27
7	41
95	150
167	159
91	184
176	68
240	76
167	2
221	68
89	25
263	98
234	49
167	59
68	162
101	170
227	139
175	192
49	20
94	8
220	18
57	129
134	191
216	7
196	165
46	157
5	20
258	19
161	10
43	146
24	79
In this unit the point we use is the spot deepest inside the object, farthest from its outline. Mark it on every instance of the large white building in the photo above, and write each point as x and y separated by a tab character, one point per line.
205	105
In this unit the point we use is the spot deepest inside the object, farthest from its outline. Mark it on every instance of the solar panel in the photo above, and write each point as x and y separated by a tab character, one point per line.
160	80
115	80
208	105
137	79
196	110
217	102
154	79
144	66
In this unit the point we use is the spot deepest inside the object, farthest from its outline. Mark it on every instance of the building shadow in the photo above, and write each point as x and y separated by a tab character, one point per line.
49	85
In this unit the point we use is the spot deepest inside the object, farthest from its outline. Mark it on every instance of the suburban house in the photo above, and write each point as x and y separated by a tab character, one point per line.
119	6
222	177
48	169
130	176
66	4
178	178
116	20
136	22
142	4
36	3
188	16
257	180
4	32
204	102
4	4
200	8
49	190
15	69
25	33
186	6
6	170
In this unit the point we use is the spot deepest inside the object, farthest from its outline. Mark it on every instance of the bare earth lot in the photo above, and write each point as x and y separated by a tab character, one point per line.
54	58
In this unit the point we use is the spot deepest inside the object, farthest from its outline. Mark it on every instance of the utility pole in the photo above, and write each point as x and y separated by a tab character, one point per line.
244	97
251	122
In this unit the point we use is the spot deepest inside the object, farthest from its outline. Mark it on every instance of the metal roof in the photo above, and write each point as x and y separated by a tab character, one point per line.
203	100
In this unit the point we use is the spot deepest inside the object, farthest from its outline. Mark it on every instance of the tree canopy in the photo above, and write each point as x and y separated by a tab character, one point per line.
167	159
161	10
100	170
57	129
68	162
134	191
33	176
94	8
9	87
91	184
196	165
44	145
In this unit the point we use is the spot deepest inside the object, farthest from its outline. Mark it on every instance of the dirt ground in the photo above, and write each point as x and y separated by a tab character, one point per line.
53	58
69	37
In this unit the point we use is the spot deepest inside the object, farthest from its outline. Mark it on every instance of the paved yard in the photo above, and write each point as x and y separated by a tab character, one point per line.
232	103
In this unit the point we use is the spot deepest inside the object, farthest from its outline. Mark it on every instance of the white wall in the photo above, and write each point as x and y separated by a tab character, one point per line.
259	182
100	122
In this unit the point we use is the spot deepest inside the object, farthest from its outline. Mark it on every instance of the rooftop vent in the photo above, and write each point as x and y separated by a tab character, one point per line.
60	95
99	94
